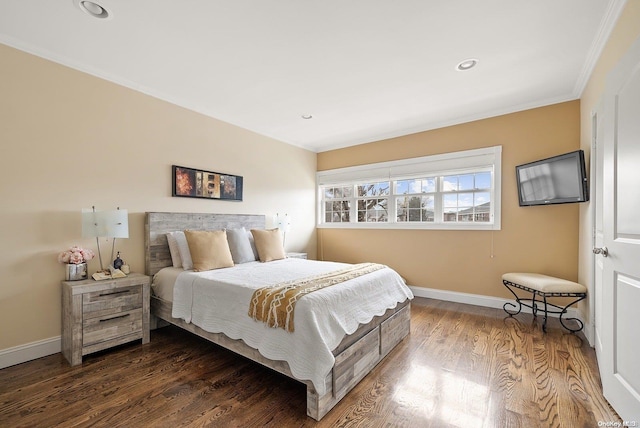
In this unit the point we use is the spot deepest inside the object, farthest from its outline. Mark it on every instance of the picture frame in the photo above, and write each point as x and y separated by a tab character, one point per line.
198	183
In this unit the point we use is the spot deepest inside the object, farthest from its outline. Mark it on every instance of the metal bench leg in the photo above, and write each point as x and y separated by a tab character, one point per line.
546	313
511	312
564	311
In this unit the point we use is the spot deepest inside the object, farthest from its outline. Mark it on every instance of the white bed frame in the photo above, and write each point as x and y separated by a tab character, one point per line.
356	355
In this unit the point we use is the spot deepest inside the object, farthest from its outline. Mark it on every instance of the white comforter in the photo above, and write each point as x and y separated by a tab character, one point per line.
218	302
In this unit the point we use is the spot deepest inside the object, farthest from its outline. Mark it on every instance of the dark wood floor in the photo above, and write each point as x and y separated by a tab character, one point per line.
462	366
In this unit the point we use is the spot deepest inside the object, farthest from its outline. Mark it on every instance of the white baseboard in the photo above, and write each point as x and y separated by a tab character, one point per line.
42	348
30	351
479	300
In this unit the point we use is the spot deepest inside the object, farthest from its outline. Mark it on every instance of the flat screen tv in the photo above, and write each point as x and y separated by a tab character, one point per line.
557	180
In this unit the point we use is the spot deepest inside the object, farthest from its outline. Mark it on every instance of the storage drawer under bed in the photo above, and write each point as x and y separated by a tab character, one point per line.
356	361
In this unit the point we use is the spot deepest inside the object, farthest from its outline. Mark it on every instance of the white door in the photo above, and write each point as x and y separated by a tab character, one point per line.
619	333
595	293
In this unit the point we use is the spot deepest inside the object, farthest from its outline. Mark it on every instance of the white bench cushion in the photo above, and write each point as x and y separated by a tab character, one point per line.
544	283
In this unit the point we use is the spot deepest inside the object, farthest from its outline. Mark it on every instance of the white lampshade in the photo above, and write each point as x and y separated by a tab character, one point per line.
117	223
105	224
92	224
282	222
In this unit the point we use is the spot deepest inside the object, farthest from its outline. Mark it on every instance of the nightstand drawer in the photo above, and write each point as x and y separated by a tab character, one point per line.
106	302
107	327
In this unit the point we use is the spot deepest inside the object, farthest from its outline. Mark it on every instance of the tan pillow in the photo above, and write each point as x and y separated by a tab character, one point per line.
209	249
269	244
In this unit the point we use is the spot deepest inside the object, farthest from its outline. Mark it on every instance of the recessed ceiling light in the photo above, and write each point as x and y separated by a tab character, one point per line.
306	116
466	64
93	9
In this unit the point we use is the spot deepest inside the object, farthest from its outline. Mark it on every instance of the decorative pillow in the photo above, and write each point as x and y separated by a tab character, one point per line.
174	250
209	249
240	246
183	249
269	244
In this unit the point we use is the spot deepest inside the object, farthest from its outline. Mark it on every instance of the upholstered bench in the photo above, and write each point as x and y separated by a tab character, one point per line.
543	286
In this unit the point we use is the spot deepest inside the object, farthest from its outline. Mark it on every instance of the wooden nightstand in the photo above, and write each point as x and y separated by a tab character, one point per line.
97	315
296	255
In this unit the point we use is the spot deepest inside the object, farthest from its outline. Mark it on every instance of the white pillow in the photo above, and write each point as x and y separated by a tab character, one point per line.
174	250
253	245
183	248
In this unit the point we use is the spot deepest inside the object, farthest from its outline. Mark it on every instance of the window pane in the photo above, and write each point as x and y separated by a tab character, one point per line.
383	188
402	187
450	214
451	201
428	215
465	199
481	198
483	180
428	202
465	182
328	192
449	183
415	215
401	214
415	186
429	185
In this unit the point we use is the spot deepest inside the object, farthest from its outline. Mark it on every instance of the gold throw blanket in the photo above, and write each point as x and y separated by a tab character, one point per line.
275	304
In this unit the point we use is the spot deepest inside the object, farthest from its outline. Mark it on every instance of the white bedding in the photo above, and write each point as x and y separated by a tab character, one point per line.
218	302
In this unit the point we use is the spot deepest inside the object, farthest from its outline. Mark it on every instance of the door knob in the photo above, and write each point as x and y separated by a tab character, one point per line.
602	251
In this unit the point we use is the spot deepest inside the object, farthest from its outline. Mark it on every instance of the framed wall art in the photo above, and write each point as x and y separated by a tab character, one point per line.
198	183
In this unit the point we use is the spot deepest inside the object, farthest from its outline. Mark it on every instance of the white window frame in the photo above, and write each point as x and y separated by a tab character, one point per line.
463	162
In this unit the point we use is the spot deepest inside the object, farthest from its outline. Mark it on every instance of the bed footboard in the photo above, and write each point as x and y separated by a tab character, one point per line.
359	358
356	355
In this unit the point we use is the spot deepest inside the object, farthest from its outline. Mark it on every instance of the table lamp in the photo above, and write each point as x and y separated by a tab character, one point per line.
105	224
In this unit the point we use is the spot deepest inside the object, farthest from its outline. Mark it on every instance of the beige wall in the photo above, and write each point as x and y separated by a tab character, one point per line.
71	140
626	31
535	239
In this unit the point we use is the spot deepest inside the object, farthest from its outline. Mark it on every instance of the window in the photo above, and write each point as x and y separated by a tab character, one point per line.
337	204
453	191
373	201
417	200
467	197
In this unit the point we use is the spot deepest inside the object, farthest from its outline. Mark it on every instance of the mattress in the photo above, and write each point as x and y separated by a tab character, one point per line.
218	302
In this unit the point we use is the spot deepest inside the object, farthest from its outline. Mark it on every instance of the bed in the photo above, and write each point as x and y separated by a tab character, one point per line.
355	354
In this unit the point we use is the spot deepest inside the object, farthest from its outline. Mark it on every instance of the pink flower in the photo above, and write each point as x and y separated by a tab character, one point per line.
75	255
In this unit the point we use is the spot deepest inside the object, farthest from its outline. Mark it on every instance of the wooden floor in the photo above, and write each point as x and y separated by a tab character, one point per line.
461	366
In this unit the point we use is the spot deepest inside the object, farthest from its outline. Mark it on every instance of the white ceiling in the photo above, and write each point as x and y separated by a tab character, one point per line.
365	69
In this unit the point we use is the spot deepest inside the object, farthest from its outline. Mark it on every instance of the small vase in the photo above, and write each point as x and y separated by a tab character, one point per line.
75	272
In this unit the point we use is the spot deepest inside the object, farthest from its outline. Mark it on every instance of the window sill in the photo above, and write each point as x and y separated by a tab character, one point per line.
410	226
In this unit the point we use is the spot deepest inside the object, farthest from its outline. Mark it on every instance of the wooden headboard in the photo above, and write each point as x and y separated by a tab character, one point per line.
156	225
